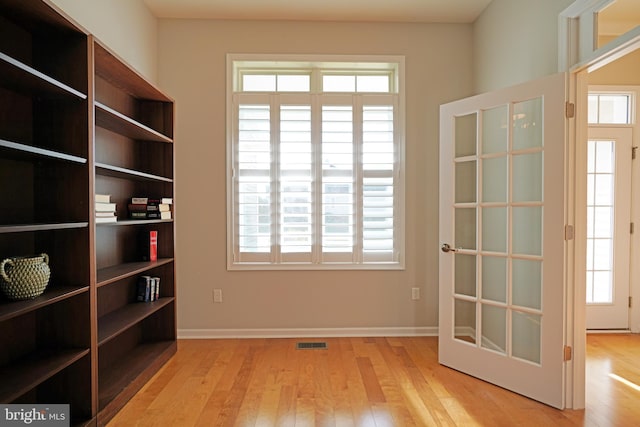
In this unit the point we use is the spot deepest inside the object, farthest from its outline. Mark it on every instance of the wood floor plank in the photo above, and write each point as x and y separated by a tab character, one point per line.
190	398
324	397
338	382
370	380
160	389
237	390
129	415
360	406
266	384
286	412
418	393
400	391
221	384
365	382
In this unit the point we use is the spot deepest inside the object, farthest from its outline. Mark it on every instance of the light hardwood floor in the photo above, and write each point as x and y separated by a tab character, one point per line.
365	382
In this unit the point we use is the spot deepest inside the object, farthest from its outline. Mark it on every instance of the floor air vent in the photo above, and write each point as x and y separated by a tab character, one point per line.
311	346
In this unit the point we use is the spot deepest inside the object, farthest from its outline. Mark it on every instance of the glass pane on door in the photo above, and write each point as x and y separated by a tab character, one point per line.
525	338
465	135
465	275
526	283
495	123
494	328
527	124
494	278
527	177
600	217
527	230
495	177
465	228
465	320
466	182
494	229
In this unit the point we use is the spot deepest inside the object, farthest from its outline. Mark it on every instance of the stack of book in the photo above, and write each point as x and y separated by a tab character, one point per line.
105	209
148	289
148	208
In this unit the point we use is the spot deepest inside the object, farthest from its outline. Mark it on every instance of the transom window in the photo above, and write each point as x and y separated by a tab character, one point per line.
609	108
315	165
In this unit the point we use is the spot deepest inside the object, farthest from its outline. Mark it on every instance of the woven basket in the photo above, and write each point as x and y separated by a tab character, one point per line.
24	277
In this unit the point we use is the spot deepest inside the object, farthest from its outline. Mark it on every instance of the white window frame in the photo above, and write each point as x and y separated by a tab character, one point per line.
633	92
315	65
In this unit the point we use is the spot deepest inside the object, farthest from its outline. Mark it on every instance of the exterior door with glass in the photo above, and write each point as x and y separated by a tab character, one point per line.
609	157
502	184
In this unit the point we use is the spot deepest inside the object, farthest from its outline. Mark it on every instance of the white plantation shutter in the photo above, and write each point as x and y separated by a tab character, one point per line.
316	185
295	170
379	207
316	179
253	182
338	181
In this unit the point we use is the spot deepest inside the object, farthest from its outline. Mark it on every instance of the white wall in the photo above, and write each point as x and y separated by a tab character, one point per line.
623	72
192	69
516	41
513	41
125	26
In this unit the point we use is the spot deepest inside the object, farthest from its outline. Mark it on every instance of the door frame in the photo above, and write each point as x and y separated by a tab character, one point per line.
578	56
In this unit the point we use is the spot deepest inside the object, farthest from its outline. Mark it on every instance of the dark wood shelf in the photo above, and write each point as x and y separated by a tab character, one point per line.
119	381
24	151
118	321
76	120
124	173
23	78
47	343
20	377
34	15
133	222
52	295
22	228
112	120
112	68
134	154
122	271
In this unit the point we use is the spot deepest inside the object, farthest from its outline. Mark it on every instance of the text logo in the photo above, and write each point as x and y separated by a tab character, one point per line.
34	415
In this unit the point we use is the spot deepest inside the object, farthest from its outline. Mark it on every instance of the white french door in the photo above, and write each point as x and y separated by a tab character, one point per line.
608	227
502	204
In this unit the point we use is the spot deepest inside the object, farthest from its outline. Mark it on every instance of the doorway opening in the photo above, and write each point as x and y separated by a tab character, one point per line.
610	162
615	62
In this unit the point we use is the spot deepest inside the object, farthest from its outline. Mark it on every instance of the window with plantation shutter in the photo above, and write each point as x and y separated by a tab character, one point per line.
315	164
378	182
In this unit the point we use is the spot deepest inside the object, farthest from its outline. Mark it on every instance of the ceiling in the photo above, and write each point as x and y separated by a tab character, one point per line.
619	17
450	11
622	10
615	19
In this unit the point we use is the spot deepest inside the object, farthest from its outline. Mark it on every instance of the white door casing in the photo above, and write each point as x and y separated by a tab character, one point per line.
578	56
502	289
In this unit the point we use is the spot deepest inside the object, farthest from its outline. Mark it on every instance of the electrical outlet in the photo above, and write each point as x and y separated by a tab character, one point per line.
415	294
217	295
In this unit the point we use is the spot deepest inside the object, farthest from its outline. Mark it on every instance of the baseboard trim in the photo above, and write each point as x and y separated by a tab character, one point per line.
308	332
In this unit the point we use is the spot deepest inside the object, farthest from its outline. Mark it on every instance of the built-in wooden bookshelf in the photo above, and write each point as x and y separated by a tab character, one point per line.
76	120
133	158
